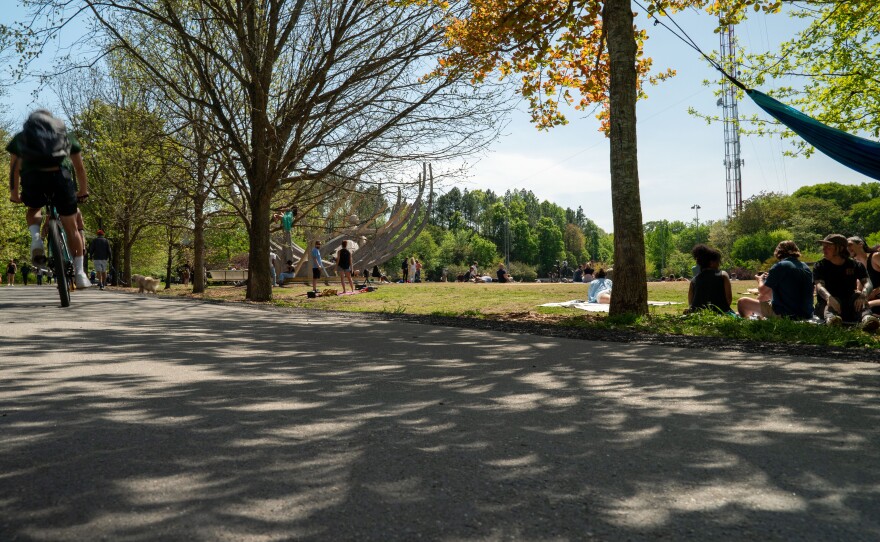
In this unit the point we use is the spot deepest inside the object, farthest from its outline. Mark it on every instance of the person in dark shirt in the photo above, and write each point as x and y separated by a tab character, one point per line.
343	265
36	182
840	286
711	288
503	275
100	252
786	290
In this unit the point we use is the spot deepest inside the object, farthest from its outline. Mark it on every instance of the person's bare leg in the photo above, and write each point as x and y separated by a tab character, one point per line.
350	281
74	241
342	280
604	298
747	306
80	228
34	216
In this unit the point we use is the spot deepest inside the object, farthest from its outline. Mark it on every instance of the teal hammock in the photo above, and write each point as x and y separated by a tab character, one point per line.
862	155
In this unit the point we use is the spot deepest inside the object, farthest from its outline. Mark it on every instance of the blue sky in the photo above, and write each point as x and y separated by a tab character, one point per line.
680	156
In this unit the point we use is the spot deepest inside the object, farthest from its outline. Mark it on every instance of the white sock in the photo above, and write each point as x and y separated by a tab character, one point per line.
35	232
78	264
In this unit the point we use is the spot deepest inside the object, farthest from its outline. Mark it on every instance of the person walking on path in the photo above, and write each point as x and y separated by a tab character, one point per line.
317	265
841	284
41	157
100	252
11	268
344	265
25	271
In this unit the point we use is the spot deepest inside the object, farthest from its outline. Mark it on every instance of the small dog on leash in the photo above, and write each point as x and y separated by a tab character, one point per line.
145	284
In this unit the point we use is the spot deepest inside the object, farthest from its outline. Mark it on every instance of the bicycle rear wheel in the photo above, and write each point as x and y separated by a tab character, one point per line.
56	260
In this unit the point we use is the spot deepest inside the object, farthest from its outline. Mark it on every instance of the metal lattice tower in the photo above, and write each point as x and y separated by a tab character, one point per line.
732	160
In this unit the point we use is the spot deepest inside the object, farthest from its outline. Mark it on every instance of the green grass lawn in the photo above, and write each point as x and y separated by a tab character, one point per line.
449	298
522	300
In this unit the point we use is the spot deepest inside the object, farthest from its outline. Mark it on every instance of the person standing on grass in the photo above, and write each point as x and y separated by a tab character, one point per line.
317	265
786	290
841	286
404	268
344	265
273	258
711	288
412	269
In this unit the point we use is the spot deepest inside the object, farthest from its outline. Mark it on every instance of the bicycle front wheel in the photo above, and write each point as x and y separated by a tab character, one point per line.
56	260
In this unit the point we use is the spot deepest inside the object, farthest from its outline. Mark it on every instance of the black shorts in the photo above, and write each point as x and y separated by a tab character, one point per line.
316	272
38	188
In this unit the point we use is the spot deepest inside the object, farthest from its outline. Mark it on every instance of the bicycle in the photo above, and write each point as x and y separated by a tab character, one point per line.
59	259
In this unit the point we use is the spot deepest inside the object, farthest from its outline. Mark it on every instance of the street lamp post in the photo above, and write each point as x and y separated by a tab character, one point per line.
696	207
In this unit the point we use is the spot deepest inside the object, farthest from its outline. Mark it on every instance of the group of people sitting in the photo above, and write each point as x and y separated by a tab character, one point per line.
842	281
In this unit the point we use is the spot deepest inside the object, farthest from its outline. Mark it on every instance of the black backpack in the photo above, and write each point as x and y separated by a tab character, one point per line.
44	141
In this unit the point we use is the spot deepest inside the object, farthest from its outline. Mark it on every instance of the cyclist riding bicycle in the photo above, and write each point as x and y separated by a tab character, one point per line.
42	155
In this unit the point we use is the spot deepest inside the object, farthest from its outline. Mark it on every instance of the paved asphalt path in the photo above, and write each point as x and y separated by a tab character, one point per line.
159	419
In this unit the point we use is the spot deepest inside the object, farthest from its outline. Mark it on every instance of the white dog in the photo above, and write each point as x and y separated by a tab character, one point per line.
145	284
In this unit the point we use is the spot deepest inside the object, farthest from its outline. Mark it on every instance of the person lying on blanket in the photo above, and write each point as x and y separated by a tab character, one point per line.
600	289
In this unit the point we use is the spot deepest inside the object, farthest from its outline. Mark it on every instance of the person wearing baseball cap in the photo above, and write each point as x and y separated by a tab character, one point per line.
840	286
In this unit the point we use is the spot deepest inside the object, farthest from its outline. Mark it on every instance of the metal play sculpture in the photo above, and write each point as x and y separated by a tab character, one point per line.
374	245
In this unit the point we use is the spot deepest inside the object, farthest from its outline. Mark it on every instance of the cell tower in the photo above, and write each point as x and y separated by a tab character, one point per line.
732	160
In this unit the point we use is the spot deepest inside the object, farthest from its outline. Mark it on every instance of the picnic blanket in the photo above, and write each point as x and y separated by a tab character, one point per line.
600	307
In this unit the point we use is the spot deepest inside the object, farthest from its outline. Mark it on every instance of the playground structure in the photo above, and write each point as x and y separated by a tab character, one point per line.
376	244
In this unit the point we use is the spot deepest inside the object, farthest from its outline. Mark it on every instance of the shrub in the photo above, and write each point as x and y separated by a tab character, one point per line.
523	272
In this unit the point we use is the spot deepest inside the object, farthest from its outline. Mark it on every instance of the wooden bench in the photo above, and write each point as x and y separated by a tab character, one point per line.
234	276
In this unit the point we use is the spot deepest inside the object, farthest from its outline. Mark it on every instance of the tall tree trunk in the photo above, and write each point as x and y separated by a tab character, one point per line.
198	267
259	287
630	294
126	255
170	260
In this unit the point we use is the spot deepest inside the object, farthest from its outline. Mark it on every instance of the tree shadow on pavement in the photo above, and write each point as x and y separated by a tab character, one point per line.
212	422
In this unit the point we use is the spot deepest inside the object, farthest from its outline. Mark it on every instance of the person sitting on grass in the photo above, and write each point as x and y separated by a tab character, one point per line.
711	288
870	258
600	289
288	273
786	290
841	286
503	275
377	274
588	272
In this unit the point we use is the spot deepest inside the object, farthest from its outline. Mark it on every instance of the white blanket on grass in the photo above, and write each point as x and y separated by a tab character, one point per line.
600	307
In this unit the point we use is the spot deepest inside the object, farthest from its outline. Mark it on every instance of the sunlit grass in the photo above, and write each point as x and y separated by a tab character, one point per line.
522	302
